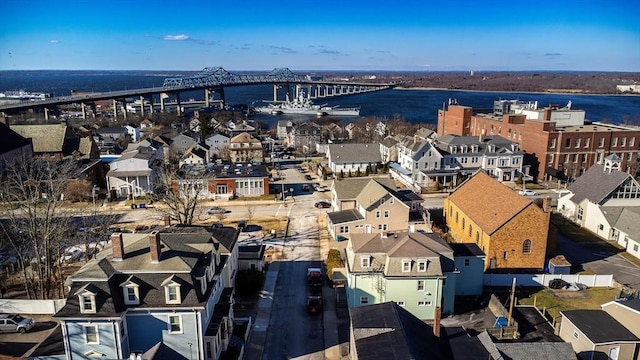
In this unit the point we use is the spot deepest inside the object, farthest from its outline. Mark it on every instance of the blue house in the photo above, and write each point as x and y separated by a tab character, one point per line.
162	295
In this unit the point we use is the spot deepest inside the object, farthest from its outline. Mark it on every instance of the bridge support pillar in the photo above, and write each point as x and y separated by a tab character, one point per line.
114	105
162	97
221	92
151	109
46	114
207	95
178	109
84	111
124	112
141	105
275	92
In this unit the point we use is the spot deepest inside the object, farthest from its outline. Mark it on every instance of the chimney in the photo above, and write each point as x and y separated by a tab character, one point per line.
384	235
547	114
546	204
117	246
436	322
481	137
167	220
155	247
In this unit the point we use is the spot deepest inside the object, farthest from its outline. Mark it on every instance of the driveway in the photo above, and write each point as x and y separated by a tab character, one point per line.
600	261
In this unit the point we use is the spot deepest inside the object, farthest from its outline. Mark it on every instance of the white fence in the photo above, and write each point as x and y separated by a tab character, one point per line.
11	306
543	279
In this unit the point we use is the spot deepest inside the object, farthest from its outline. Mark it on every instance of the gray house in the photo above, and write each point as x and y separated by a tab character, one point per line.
162	295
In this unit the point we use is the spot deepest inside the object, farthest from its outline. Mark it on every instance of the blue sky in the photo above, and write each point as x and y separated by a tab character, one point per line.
320	35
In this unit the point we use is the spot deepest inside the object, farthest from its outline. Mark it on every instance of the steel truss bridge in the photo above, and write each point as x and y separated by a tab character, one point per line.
210	79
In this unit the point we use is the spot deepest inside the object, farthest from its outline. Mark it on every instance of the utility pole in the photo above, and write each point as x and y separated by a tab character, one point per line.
513	298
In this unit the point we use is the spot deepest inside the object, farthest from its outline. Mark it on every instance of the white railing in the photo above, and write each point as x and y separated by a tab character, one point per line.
544	279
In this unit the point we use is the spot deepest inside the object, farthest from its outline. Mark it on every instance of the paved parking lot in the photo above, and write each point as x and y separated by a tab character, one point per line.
19	345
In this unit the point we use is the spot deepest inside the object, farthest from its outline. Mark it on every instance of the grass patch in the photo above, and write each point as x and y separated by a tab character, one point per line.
592	299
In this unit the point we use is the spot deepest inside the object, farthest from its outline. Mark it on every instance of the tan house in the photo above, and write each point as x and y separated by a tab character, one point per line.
373	205
245	148
509	228
597	335
626	313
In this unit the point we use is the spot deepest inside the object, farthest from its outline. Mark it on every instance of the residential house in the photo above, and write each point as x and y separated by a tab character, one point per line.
50	141
626	312
389	148
135	173
218	143
133	131
251	257
469	261
146	124
377	207
162	295
558	140
388	331
353	158
238	127
245	148
283	129
605	201
597	335
114	132
194	157
414	270
227	181
510	229
305	137
13	147
333	132
181	142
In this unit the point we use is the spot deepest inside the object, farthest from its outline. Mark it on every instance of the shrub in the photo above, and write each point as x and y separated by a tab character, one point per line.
334	260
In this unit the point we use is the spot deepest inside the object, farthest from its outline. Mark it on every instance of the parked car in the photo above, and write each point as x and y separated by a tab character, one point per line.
15	323
305	187
308	177
314	304
322	205
527	192
320	189
216	210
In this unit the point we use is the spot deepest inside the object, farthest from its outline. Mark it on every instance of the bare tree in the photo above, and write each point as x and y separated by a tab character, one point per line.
36	223
251	210
179	194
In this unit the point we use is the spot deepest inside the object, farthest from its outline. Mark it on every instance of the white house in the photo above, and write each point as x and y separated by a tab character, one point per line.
135	172
216	143
353	157
134	132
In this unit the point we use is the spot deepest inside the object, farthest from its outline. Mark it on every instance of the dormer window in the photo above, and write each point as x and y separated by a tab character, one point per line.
87	299
131	291
365	261
406	265
422	265
172	293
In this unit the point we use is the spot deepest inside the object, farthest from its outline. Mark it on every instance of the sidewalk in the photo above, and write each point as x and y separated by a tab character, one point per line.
261	326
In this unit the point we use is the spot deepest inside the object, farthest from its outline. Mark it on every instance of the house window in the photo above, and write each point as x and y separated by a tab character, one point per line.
400	303
632	141
172	294
91	334
424	303
377	214
382	201
364	299
175	324
406	265
635	247
344	229
600	227
505	255
87	303
601	142
477	237
580	212
614	142
575	334
456	217
130	295
422	265
623	142
391	201
386	213
586	142
470	229
567	143
466	262
463	223
526	247
577	142
365	261
420	285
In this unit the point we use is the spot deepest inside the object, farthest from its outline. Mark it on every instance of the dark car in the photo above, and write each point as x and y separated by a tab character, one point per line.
322	205
314	304
308	177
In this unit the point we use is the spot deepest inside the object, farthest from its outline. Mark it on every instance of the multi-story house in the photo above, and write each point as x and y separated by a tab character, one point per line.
194	157
373	205
345	158
606	201
135	172
304	137
245	148
510	229
181	142
217	142
389	148
415	270
283	129
561	141
166	294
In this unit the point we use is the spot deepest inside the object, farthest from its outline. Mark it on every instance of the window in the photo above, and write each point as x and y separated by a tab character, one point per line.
575	334
364	299
623	142
552	144
600	227
635	247
577	142
567	143
400	303
466	262
175	324
365	261
131	295
601	142
614	142
586	142
382	201
580	213
505	255
632	141
566	158
526	247
424	303
91	334
344	229
406	265
470	229
463	223
386	213
422	265
420	285
477	236
377	214
173	294
87	303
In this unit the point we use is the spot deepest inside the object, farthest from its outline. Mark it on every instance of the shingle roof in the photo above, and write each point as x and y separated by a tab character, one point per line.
387	331
354	153
348	189
487	202
527	350
48	138
599	326
11	140
466	249
596	184
624	218
344	216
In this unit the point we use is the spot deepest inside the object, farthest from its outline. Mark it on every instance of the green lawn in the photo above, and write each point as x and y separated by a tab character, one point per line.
590	298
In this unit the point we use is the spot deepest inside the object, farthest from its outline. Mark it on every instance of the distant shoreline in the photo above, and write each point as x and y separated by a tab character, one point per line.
519	92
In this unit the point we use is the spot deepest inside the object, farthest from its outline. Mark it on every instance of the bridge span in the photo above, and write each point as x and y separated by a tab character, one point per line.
211	80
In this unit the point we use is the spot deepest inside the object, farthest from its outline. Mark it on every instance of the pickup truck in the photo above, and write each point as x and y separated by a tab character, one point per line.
314	277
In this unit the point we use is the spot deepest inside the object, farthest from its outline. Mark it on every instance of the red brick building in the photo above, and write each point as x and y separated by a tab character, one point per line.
555	139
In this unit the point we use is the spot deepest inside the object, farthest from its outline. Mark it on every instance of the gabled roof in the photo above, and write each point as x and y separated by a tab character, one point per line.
244	138
11	140
598	326
354	153
596	184
348	189
387	331
624	218
487	202
48	138
389	141
527	350
344	216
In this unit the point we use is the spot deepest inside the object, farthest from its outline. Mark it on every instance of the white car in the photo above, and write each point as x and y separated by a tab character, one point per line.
527	192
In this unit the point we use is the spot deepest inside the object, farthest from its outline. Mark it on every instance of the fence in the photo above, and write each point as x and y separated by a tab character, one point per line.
544	279
12	306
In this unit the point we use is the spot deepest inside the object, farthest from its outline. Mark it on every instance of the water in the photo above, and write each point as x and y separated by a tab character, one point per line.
415	106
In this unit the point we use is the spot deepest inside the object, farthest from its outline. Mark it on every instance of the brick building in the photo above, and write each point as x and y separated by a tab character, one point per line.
510	229
557	140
